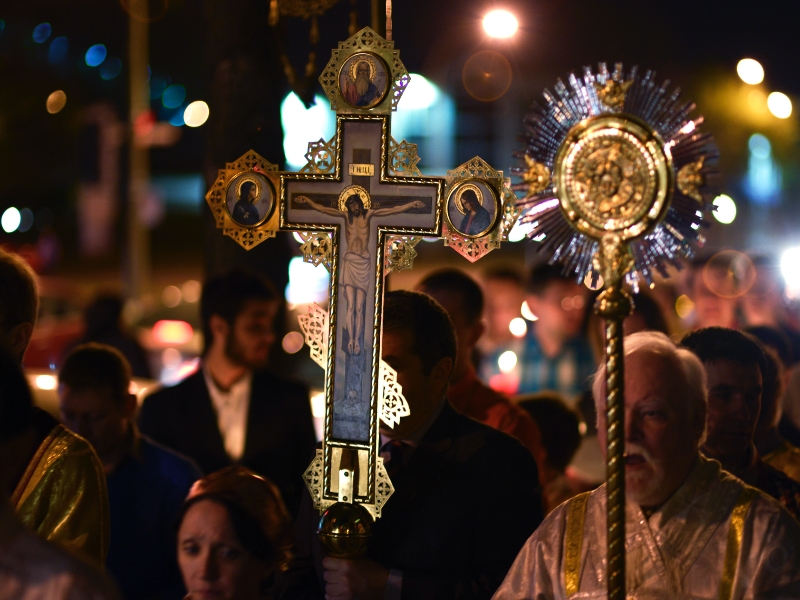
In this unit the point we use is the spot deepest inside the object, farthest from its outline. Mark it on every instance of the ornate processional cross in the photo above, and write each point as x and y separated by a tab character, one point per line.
360	205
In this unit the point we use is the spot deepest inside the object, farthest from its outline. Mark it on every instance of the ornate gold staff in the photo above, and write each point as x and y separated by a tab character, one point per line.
608	151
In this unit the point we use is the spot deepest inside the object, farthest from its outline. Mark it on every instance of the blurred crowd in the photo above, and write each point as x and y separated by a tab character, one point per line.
197	490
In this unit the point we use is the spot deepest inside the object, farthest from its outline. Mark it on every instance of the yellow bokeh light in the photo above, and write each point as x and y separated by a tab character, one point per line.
507	361
750	71
757	100
56	101
684	306
196	113
500	24
779	105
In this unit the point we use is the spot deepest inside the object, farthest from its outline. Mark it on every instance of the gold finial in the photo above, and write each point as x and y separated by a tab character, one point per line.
612	94
537	176
691	178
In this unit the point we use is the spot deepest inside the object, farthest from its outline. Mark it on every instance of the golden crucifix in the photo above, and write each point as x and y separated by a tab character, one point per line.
361	205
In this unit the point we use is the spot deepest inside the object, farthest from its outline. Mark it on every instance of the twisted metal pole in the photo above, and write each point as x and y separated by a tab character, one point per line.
614	305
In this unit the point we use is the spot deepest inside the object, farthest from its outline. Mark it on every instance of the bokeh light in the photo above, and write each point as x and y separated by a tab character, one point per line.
157	86
526	312
757	100
292	342
196	113
684	306
500	24
729	274
750	71
507	361
779	105
176	120
487	75
191	290
41	33
759	146
56	102
173	96
302	125
25	220
45	382
10	219
111	68
96	55
725	209
58	50
172	333
518	327
420	93
790	269
171	296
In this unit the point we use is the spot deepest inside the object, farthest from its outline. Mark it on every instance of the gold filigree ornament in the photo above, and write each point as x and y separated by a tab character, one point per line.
691	179
537	176
400	253
321	157
315	331
403	159
317	248
393	405
475	227
375	91
244	200
616	143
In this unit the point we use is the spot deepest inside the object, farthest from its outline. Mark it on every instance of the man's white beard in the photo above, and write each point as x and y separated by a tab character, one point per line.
640	486
362	84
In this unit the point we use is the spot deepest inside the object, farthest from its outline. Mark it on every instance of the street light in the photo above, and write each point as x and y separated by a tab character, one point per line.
500	24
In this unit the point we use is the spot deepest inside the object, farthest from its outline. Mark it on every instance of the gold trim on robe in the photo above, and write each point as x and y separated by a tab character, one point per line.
62	495
714	538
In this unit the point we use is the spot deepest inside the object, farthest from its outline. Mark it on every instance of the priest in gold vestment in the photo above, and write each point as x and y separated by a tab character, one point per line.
62	493
692	529
60	490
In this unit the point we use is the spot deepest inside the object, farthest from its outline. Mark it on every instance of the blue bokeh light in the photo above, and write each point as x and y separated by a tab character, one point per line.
41	33
174	96
96	55
110	68
58	50
2	25
177	118
157	86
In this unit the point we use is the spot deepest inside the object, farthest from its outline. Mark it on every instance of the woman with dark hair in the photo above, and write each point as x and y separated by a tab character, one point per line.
233	534
244	211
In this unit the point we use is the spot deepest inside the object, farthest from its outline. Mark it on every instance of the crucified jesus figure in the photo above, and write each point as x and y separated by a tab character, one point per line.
356	264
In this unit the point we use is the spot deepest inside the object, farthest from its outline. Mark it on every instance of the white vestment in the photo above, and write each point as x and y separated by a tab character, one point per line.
679	552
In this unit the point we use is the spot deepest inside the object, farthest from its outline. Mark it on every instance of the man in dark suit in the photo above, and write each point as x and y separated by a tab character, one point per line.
466	495
232	411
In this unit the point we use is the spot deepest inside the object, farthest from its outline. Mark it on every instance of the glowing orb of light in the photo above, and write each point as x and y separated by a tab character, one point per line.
500	24
96	55
779	105
56	102
726	209
750	71
11	219
196	113
507	361
518	327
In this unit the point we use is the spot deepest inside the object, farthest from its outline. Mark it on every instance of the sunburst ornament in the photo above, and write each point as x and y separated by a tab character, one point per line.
614	156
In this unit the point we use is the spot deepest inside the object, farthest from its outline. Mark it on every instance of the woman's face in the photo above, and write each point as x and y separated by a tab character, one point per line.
213	562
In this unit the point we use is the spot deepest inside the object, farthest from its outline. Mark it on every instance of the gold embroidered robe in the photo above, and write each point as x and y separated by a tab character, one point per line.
679	552
63	496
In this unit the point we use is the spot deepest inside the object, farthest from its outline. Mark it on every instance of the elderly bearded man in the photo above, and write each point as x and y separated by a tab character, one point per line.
693	530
